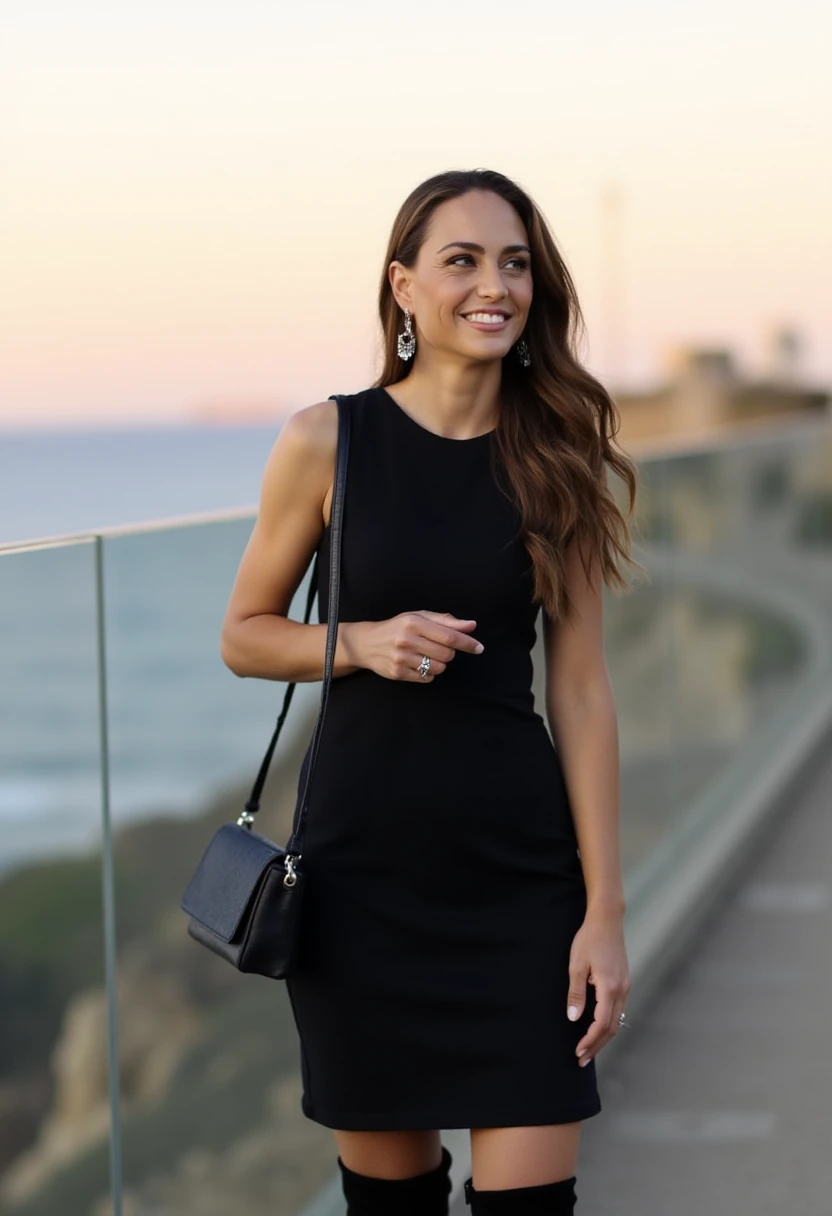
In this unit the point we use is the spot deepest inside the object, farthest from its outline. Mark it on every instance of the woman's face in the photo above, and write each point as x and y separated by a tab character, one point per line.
471	287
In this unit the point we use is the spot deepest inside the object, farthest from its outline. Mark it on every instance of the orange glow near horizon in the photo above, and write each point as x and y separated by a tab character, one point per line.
197	199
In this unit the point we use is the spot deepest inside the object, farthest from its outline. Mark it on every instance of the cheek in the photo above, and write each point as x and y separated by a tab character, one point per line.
446	302
438	302
523	294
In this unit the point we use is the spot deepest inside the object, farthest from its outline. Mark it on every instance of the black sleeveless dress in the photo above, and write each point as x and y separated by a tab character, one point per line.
444	884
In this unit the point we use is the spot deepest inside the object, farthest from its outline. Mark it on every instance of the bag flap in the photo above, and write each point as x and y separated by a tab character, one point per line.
227	877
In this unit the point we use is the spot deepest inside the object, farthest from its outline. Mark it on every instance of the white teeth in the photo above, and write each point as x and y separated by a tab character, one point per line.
486	318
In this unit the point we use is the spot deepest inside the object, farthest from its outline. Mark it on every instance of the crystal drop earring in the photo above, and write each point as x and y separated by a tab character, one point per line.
523	353
406	344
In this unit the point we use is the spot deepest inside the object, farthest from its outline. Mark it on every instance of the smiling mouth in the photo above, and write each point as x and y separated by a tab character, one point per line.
492	319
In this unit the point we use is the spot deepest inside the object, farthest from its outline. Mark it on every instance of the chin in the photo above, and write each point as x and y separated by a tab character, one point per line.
481	354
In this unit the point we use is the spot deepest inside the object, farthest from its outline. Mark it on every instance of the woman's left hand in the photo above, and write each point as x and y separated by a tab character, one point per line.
598	957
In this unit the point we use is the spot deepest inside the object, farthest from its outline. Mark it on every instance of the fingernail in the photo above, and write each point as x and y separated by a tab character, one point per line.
583	1063
480	648
572	1013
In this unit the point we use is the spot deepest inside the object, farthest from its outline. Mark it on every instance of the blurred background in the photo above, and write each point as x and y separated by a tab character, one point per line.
195	201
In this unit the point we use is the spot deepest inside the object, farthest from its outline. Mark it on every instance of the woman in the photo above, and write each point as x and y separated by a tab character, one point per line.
463	873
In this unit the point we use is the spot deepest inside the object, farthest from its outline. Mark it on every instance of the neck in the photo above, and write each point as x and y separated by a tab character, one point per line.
457	401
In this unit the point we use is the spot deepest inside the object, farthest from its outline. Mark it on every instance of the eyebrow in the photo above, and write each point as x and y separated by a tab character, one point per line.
479	249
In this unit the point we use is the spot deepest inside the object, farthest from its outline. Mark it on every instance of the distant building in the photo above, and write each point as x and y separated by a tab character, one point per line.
704	391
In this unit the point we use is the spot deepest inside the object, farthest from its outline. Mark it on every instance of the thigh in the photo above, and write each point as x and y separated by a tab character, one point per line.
505	1157
390	1154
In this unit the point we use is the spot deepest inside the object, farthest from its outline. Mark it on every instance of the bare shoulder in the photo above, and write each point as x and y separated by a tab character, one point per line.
299	468
307	441
312	430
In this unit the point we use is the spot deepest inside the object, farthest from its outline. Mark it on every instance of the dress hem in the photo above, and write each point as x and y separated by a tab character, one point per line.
388	1121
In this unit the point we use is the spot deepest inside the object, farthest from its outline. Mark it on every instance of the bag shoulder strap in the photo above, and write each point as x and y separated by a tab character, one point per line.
336	529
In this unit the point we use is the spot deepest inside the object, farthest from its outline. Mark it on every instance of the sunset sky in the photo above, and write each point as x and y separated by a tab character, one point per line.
196	197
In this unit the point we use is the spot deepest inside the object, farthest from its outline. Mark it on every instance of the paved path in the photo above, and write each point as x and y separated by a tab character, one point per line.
718	1104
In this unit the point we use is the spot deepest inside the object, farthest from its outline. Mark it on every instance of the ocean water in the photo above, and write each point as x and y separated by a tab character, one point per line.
55	482
181	726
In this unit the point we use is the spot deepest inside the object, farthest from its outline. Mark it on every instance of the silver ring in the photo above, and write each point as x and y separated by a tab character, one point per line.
424	667
621	1021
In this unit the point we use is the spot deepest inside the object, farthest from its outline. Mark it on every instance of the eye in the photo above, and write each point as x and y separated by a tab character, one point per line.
520	263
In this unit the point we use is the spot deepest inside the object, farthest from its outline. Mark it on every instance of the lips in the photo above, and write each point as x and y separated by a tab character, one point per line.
483	325
485	312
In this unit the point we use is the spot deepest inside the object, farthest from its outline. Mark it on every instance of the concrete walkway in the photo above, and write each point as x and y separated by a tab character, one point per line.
718	1103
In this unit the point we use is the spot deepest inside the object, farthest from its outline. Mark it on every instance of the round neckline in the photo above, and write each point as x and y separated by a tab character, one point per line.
434	434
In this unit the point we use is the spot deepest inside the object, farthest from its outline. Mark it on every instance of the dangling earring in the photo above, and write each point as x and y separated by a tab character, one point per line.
407	341
523	352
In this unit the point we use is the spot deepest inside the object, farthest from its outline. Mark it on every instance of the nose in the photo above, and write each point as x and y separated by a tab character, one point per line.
491	285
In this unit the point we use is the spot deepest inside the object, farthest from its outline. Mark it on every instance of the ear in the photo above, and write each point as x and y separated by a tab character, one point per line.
399	277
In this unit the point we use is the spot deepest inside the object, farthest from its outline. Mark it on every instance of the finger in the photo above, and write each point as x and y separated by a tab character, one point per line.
444	635
434	650
447	618
412	671
452	631
412	642
593	1053
576	997
616	998
615	1020
618	1010
591	1041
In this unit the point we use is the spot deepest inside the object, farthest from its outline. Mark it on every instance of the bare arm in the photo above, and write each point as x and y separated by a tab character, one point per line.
581	712
258	639
582	717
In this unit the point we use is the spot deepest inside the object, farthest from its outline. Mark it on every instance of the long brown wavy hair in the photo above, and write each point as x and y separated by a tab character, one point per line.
557	423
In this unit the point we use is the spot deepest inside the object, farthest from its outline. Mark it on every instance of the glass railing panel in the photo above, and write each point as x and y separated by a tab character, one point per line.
639	643
721	650
210	1079
727	633
749	556
54	1099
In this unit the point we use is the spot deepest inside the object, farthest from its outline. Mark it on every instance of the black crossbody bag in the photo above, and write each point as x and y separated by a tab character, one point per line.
244	899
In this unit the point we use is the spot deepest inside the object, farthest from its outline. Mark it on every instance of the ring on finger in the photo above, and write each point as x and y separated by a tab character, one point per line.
424	667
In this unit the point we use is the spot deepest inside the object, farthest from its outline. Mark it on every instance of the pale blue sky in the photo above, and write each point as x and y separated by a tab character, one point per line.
197	196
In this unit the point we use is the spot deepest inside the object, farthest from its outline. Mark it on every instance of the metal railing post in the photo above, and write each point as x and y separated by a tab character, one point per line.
107	887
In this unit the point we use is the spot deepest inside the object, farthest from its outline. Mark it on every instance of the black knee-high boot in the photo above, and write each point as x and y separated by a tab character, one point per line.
423	1195
550	1199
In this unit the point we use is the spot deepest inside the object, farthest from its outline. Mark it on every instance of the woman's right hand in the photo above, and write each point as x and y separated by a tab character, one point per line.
394	648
